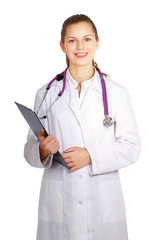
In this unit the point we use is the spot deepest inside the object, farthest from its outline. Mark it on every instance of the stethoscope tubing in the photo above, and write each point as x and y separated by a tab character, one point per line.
104	93
107	120
64	81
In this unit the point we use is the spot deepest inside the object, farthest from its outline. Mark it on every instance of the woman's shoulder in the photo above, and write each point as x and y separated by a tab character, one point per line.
111	84
114	86
42	89
54	86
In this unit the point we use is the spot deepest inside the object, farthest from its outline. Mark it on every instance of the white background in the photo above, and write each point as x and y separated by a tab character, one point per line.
30	56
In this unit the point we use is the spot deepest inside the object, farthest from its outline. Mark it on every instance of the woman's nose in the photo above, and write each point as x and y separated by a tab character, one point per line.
80	45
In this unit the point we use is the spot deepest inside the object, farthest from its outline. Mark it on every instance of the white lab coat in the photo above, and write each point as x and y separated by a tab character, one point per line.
86	204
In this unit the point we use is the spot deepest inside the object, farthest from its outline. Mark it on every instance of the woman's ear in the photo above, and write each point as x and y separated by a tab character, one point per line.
62	46
97	44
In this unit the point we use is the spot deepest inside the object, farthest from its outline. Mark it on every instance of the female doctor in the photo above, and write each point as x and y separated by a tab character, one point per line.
85	201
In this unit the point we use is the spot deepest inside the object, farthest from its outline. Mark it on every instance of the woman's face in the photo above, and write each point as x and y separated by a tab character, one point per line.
80	44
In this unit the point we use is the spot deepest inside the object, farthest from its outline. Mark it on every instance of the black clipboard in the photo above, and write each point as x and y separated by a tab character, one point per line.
36	125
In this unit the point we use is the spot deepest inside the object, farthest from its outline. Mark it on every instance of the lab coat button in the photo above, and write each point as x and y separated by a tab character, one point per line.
80	176
80	203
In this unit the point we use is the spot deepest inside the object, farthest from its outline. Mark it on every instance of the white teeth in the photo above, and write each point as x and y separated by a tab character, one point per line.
81	54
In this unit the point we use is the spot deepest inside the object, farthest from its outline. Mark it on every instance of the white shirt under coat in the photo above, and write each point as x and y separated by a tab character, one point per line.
84	87
86	204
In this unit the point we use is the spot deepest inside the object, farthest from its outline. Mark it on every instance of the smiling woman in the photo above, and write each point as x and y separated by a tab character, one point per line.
80	44
86	201
88	32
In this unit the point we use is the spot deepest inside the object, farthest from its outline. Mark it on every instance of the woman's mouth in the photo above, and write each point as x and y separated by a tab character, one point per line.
81	55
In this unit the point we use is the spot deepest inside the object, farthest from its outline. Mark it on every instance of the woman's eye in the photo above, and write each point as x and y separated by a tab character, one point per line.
88	39
71	41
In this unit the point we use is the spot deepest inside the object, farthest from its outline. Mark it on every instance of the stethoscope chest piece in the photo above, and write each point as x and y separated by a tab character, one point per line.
107	121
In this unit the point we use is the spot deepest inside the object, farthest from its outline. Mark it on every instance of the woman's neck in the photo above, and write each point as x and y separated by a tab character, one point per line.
82	73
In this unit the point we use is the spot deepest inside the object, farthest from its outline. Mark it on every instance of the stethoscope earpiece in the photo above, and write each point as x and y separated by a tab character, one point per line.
59	77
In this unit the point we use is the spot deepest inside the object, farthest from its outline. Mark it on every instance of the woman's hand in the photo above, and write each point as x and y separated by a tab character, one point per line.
76	158
47	145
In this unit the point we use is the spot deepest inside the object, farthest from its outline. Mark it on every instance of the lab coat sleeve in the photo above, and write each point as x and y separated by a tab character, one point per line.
31	148
126	147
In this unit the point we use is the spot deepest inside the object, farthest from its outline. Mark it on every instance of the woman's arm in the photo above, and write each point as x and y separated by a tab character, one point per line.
126	148
33	152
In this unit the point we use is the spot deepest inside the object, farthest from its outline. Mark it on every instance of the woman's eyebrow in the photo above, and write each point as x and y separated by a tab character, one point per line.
70	37
88	35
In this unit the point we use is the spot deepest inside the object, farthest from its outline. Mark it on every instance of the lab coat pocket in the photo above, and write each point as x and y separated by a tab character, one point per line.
113	208
51	201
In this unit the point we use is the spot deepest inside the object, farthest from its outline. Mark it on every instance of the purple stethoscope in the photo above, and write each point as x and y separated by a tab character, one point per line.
107	119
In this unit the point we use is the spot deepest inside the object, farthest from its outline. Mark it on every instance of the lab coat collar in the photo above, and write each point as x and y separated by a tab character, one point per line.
94	82
69	97
85	84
